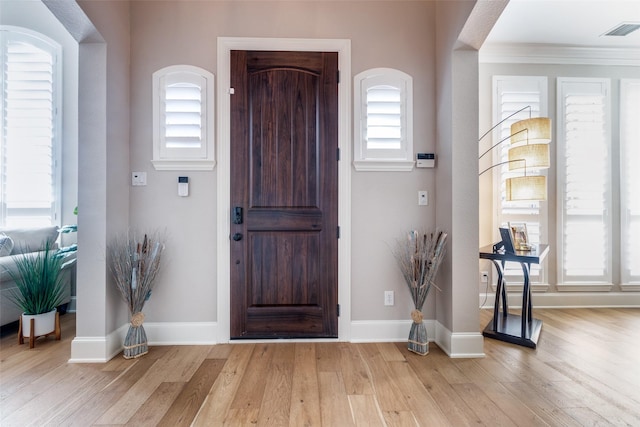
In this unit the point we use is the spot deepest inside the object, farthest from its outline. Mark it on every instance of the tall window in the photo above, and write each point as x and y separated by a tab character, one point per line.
183	118
630	180
383	108
31	129
512	93
584	181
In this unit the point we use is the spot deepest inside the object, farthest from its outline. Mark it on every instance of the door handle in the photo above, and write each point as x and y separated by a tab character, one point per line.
237	215
237	237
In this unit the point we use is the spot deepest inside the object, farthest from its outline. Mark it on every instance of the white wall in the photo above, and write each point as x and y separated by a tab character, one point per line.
553	71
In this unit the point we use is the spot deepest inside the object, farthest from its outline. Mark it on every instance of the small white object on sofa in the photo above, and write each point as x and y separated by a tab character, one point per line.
26	242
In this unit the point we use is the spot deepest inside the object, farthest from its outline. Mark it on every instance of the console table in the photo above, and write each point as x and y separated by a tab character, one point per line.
524	329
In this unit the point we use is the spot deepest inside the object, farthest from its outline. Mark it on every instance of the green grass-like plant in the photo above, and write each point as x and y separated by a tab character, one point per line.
40	285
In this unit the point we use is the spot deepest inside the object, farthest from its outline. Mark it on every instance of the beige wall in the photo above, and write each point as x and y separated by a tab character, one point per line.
457	108
383	34
133	39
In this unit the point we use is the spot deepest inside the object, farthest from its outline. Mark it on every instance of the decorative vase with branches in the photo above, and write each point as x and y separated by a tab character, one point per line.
419	255
135	262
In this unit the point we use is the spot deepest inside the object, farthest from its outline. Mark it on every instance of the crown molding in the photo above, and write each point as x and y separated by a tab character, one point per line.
548	54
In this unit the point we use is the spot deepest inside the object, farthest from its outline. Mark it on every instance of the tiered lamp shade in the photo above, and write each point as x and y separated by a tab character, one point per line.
526	188
535	156
536	130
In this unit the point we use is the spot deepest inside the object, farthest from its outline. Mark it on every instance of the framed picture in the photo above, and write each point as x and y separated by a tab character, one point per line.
507	242
520	236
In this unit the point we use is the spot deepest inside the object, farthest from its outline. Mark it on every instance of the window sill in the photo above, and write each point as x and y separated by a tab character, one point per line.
517	287
630	287
584	287
184	164
383	165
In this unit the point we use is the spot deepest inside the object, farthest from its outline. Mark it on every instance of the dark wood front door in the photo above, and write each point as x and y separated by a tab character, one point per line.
284	194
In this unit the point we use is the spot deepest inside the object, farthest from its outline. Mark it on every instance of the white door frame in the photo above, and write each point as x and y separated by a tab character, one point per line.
225	46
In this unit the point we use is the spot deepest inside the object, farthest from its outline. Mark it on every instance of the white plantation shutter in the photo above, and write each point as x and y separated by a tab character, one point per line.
584	172
383	110
182	124
384	118
512	93
183	118
30	130
630	179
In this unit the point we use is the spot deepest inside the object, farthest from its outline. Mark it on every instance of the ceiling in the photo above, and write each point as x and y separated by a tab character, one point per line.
575	23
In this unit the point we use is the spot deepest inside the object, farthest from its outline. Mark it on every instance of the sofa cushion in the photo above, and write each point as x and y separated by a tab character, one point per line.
31	239
6	245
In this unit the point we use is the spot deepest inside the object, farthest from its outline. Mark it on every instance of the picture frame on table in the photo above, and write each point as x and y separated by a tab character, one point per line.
507	241
519	236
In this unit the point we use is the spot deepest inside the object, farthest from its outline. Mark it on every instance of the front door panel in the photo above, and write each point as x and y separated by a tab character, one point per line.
284	180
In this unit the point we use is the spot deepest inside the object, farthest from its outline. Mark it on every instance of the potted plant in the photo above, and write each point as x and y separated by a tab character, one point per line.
40	290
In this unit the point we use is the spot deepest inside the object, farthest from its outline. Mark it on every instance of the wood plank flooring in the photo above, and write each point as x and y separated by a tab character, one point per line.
585	371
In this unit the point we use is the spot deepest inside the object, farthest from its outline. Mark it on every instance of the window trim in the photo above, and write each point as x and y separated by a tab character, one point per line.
628	282
162	157
514	275
363	158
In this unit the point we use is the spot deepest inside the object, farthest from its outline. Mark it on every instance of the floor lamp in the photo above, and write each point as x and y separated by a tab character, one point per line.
530	140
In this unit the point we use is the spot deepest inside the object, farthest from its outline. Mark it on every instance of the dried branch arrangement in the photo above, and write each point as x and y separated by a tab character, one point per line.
135	262
419	255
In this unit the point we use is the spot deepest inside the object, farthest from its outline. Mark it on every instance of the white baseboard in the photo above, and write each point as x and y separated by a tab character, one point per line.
102	349
455	345
98	349
386	330
181	333
460	345
569	299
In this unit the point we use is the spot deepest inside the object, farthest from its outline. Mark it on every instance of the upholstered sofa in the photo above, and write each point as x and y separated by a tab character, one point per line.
16	243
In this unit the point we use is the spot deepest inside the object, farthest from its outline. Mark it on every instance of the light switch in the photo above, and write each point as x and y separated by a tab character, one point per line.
423	198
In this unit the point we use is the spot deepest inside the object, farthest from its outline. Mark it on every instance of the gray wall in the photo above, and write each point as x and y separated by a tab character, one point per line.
123	43
383	34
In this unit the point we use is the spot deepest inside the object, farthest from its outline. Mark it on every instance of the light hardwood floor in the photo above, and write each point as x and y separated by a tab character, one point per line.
585	371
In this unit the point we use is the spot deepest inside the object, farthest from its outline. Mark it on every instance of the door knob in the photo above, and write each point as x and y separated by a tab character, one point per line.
237	237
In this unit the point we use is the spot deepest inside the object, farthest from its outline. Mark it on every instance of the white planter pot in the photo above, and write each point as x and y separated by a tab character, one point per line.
44	323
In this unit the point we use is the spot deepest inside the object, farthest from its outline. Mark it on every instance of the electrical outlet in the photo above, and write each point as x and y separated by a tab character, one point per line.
388	298
484	276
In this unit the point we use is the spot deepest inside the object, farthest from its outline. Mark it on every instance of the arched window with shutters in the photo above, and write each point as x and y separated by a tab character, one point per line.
383	110
31	134
183	112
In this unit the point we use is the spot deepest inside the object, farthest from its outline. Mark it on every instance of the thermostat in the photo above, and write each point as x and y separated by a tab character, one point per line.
425	160
183	186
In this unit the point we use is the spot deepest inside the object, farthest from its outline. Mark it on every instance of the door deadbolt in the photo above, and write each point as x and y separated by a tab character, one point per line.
237	215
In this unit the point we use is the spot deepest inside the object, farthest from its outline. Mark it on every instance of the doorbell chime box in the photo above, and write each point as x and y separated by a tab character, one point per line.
425	160
183	186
